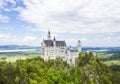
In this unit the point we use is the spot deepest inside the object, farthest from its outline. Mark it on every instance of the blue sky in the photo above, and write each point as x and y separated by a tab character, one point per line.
94	22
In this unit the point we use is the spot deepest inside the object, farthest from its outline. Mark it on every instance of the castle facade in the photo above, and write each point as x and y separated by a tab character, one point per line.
52	49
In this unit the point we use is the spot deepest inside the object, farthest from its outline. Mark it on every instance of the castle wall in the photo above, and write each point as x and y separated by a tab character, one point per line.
54	52
71	57
51	51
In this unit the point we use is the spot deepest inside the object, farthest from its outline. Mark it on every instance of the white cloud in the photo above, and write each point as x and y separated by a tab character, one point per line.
29	39
3	36
101	9
3	4
6	39
71	16
74	16
4	18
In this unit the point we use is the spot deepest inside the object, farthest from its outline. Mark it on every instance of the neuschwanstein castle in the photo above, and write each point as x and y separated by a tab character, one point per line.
52	49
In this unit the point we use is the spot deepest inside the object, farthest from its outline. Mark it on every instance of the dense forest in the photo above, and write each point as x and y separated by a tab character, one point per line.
88	70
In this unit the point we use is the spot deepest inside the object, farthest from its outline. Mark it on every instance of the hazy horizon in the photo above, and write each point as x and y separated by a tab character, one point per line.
67	46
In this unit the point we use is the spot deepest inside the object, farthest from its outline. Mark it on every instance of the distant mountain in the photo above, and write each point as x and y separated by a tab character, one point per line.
84	49
16	47
98	49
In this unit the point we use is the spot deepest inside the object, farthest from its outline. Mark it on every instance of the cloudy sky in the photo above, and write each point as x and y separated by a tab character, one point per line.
94	22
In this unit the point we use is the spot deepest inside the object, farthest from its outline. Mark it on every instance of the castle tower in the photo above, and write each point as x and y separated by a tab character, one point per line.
54	44
49	35
54	41
79	46
42	48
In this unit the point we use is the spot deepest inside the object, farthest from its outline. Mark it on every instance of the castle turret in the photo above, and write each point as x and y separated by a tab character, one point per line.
54	46
54	41
43	44
79	46
42	48
49	35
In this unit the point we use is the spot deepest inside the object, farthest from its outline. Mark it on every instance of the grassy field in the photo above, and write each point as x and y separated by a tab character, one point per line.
12	57
111	58
112	62
105	57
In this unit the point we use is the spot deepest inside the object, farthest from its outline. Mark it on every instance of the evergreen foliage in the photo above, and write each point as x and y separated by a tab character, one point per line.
89	70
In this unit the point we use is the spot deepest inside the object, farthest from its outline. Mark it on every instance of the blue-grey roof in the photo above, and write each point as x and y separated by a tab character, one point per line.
48	42
74	50
58	43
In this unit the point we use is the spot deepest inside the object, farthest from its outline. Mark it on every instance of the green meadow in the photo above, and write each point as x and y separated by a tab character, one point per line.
108	58
13	56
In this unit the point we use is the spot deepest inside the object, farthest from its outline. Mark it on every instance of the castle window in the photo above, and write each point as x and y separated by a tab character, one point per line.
62	48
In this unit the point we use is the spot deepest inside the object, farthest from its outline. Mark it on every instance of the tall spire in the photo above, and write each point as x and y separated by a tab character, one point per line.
54	39
49	35
79	46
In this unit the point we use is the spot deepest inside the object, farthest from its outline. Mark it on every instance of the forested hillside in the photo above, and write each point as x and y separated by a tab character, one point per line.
89	70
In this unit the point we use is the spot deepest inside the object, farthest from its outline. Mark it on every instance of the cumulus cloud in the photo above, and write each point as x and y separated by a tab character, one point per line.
3	7
3	3
74	16
6	39
3	36
4	18
29	39
66	17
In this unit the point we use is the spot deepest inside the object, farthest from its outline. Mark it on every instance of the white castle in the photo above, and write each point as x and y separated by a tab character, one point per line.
52	49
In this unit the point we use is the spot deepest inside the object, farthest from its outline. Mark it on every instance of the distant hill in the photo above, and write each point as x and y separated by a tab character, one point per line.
84	49
16	47
97	49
